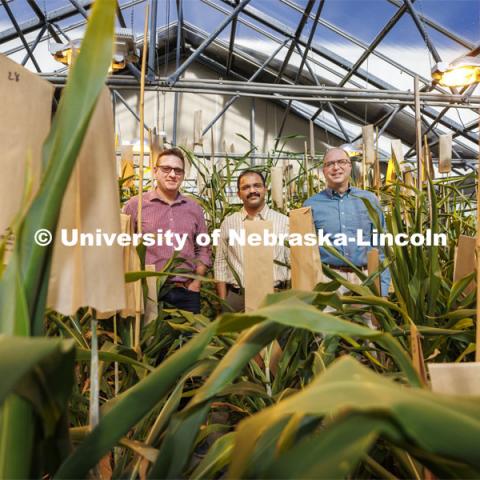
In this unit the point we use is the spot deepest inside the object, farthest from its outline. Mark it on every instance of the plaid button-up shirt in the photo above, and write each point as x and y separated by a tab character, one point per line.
183	216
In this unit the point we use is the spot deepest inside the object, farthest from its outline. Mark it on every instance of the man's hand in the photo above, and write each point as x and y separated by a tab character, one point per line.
194	285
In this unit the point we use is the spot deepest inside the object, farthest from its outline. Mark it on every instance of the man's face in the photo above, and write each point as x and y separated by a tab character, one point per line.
337	169
251	191
169	173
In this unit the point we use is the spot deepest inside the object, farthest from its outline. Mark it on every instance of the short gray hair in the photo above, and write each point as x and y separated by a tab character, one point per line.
331	149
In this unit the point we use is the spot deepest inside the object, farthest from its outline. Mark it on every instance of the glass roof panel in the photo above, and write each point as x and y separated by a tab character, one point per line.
459	17
367	20
405	45
390	74
204	17
279	11
341	47
447	48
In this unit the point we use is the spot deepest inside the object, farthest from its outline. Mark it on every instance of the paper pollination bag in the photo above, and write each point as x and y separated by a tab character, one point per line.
455	378
305	260
258	265
26	102
276	174
368	144
445	153
90	275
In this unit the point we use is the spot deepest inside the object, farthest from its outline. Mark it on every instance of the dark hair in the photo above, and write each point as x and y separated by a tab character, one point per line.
249	172
171	151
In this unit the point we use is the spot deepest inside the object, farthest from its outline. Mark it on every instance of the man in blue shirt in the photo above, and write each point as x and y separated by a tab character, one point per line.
340	211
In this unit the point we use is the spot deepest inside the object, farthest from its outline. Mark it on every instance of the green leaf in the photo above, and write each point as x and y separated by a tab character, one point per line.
132	405
407	417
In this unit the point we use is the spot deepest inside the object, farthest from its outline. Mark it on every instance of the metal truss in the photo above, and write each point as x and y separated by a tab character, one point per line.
286	90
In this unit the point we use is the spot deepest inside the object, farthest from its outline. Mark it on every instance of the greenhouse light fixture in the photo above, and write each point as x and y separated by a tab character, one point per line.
461	72
124	50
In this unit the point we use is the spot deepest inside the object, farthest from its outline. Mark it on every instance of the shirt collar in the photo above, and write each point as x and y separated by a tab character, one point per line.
262	214
153	195
331	193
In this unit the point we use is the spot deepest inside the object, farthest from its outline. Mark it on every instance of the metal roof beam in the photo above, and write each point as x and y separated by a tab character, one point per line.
296	37
121	19
32	25
233	32
422	31
360	43
41	17
452	36
175	76
385	30
12	18
35	43
303	61
80	8
251	79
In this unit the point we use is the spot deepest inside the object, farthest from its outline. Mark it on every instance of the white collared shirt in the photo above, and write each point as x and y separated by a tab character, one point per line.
230	257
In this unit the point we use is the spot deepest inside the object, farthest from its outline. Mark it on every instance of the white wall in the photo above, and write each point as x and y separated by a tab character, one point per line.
268	117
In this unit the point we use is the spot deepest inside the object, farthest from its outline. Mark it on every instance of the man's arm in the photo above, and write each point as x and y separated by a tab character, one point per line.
203	254
195	285
131	208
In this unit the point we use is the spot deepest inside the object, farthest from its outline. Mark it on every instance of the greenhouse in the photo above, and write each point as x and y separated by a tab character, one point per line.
239	239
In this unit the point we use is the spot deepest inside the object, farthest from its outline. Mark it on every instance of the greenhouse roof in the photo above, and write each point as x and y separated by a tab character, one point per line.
295	46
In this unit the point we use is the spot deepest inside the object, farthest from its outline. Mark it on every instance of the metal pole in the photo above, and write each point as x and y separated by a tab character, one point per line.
175	76
153	41
422	31
42	18
252	126
12	18
176	99
418	133
80	9
129	108
390	24
35	43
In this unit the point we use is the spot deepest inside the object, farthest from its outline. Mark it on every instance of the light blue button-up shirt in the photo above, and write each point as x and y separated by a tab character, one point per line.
346	213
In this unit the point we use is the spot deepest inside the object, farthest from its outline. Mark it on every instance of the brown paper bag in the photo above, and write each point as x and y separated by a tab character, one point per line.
197	128
90	276
455	378
373	262
151	307
397	152
368	144
465	261
305	260
258	264
131	263
26	102
276	174
445	153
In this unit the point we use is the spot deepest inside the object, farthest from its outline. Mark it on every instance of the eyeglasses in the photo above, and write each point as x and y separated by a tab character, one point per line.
340	163
167	169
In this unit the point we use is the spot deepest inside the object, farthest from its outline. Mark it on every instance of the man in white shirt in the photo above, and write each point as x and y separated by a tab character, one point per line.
228	267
